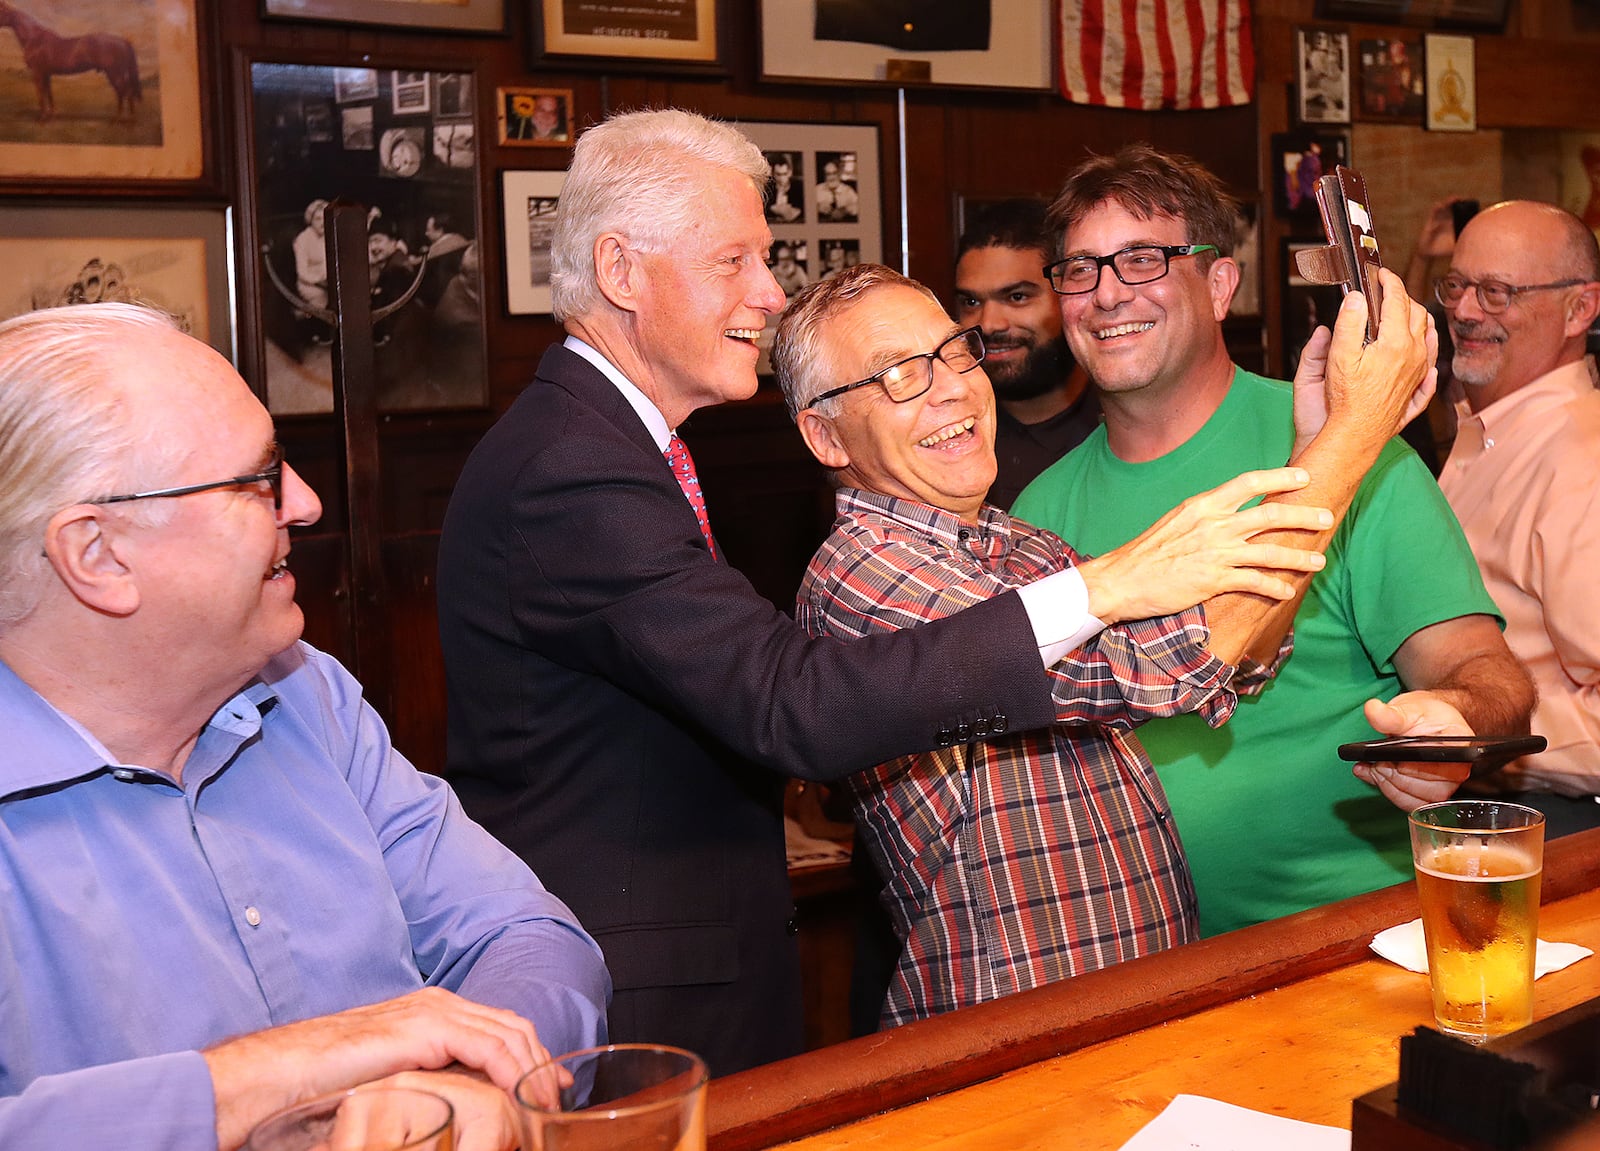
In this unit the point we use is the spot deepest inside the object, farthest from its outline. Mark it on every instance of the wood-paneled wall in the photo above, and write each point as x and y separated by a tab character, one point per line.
768	500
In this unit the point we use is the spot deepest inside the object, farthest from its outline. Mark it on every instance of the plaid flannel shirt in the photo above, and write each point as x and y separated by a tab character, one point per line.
1032	857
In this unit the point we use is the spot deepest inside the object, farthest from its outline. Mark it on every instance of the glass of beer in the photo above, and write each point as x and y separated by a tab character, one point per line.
1478	864
627	1097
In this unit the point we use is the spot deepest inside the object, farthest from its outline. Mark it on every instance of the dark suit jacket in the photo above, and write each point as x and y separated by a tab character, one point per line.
621	706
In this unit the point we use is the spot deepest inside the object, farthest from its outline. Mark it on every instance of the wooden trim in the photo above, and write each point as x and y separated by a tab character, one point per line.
821	1089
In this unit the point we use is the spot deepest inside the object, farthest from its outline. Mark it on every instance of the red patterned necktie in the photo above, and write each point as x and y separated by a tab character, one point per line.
682	464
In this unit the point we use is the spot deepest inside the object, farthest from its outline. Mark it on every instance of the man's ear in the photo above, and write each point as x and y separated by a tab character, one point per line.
618	272
1223	281
1582	310
823	439
89	558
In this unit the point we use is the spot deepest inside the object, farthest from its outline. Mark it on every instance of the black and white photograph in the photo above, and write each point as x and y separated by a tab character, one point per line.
1324	87
528	203
789	265
837	255
452	95
837	198
786	194
409	92
421	197
352	84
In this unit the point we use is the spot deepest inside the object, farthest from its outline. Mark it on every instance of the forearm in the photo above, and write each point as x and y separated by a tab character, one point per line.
163	1102
1492	692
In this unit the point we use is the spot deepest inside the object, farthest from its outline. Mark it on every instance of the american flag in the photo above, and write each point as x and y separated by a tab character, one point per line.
1157	54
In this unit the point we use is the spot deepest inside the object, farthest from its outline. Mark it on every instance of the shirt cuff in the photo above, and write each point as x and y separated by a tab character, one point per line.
1058	610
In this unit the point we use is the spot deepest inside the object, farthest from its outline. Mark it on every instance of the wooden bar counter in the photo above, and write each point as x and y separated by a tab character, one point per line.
1295	1017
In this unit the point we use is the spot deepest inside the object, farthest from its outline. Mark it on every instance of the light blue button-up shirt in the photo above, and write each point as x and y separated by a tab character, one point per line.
301	868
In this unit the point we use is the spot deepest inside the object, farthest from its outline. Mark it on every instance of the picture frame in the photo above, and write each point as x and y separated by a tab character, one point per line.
534	117
1298	159
173	257
829	212
1484	15
458	16
418	173
1452	97
1247	254
1322	88
1304	304
1392	86
528	203
678	36
135	124
861	44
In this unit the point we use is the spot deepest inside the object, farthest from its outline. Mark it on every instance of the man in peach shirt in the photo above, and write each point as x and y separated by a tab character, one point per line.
1522	293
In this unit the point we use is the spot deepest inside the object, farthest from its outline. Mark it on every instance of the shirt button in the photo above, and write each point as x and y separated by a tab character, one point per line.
981	728
944	735
999	724
1488	441
963	732
123	774
252	917
792	927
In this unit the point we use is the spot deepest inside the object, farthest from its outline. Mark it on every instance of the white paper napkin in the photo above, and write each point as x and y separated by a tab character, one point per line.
1404	945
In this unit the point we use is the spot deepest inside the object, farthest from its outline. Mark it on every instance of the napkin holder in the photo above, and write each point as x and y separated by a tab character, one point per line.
1512	1093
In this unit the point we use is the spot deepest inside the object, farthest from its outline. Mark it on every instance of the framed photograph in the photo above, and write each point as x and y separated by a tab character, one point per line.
534	117
417	173
450	15
452	96
1247	254
999	44
665	35
1323	91
1305	305
105	94
409	91
1487	15
1452	83
824	205
528	203
1299	159
1392	79
168	257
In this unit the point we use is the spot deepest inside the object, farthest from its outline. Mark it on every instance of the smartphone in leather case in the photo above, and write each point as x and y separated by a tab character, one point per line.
1351	258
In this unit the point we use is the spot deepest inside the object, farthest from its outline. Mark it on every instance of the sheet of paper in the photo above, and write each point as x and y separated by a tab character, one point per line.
1195	1123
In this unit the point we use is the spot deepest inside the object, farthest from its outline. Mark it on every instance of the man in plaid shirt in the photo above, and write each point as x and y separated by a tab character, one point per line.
1013	862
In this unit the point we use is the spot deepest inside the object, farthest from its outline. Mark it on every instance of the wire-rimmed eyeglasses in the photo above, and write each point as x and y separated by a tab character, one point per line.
1139	264
913	376
1494	296
271	474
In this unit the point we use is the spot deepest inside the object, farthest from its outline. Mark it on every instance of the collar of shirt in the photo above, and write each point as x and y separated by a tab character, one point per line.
989	539
655	423
1533	400
33	724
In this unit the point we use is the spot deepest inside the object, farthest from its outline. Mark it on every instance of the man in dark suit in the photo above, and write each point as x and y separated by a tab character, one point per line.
622	702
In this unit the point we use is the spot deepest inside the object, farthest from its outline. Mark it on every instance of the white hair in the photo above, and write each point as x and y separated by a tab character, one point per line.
65	432
639	174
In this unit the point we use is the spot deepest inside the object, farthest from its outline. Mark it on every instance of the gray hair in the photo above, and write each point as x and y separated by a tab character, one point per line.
638	174
796	349
65	434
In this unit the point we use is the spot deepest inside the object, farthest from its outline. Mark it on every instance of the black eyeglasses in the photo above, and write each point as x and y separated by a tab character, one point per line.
272	474
1140	264
913	376
1494	297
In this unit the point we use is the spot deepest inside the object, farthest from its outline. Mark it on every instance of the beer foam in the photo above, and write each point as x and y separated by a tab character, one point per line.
1467	863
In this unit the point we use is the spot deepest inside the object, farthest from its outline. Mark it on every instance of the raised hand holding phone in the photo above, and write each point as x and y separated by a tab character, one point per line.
1351	259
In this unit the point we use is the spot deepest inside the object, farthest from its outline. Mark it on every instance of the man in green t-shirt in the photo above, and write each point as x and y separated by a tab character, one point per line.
1271	819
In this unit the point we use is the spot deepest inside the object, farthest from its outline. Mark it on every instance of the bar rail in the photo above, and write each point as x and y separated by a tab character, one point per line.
835	1085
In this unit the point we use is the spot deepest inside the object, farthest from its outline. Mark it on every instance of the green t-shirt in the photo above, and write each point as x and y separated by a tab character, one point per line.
1272	820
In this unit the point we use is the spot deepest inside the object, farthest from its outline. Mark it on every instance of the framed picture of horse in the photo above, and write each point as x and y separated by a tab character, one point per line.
101	95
